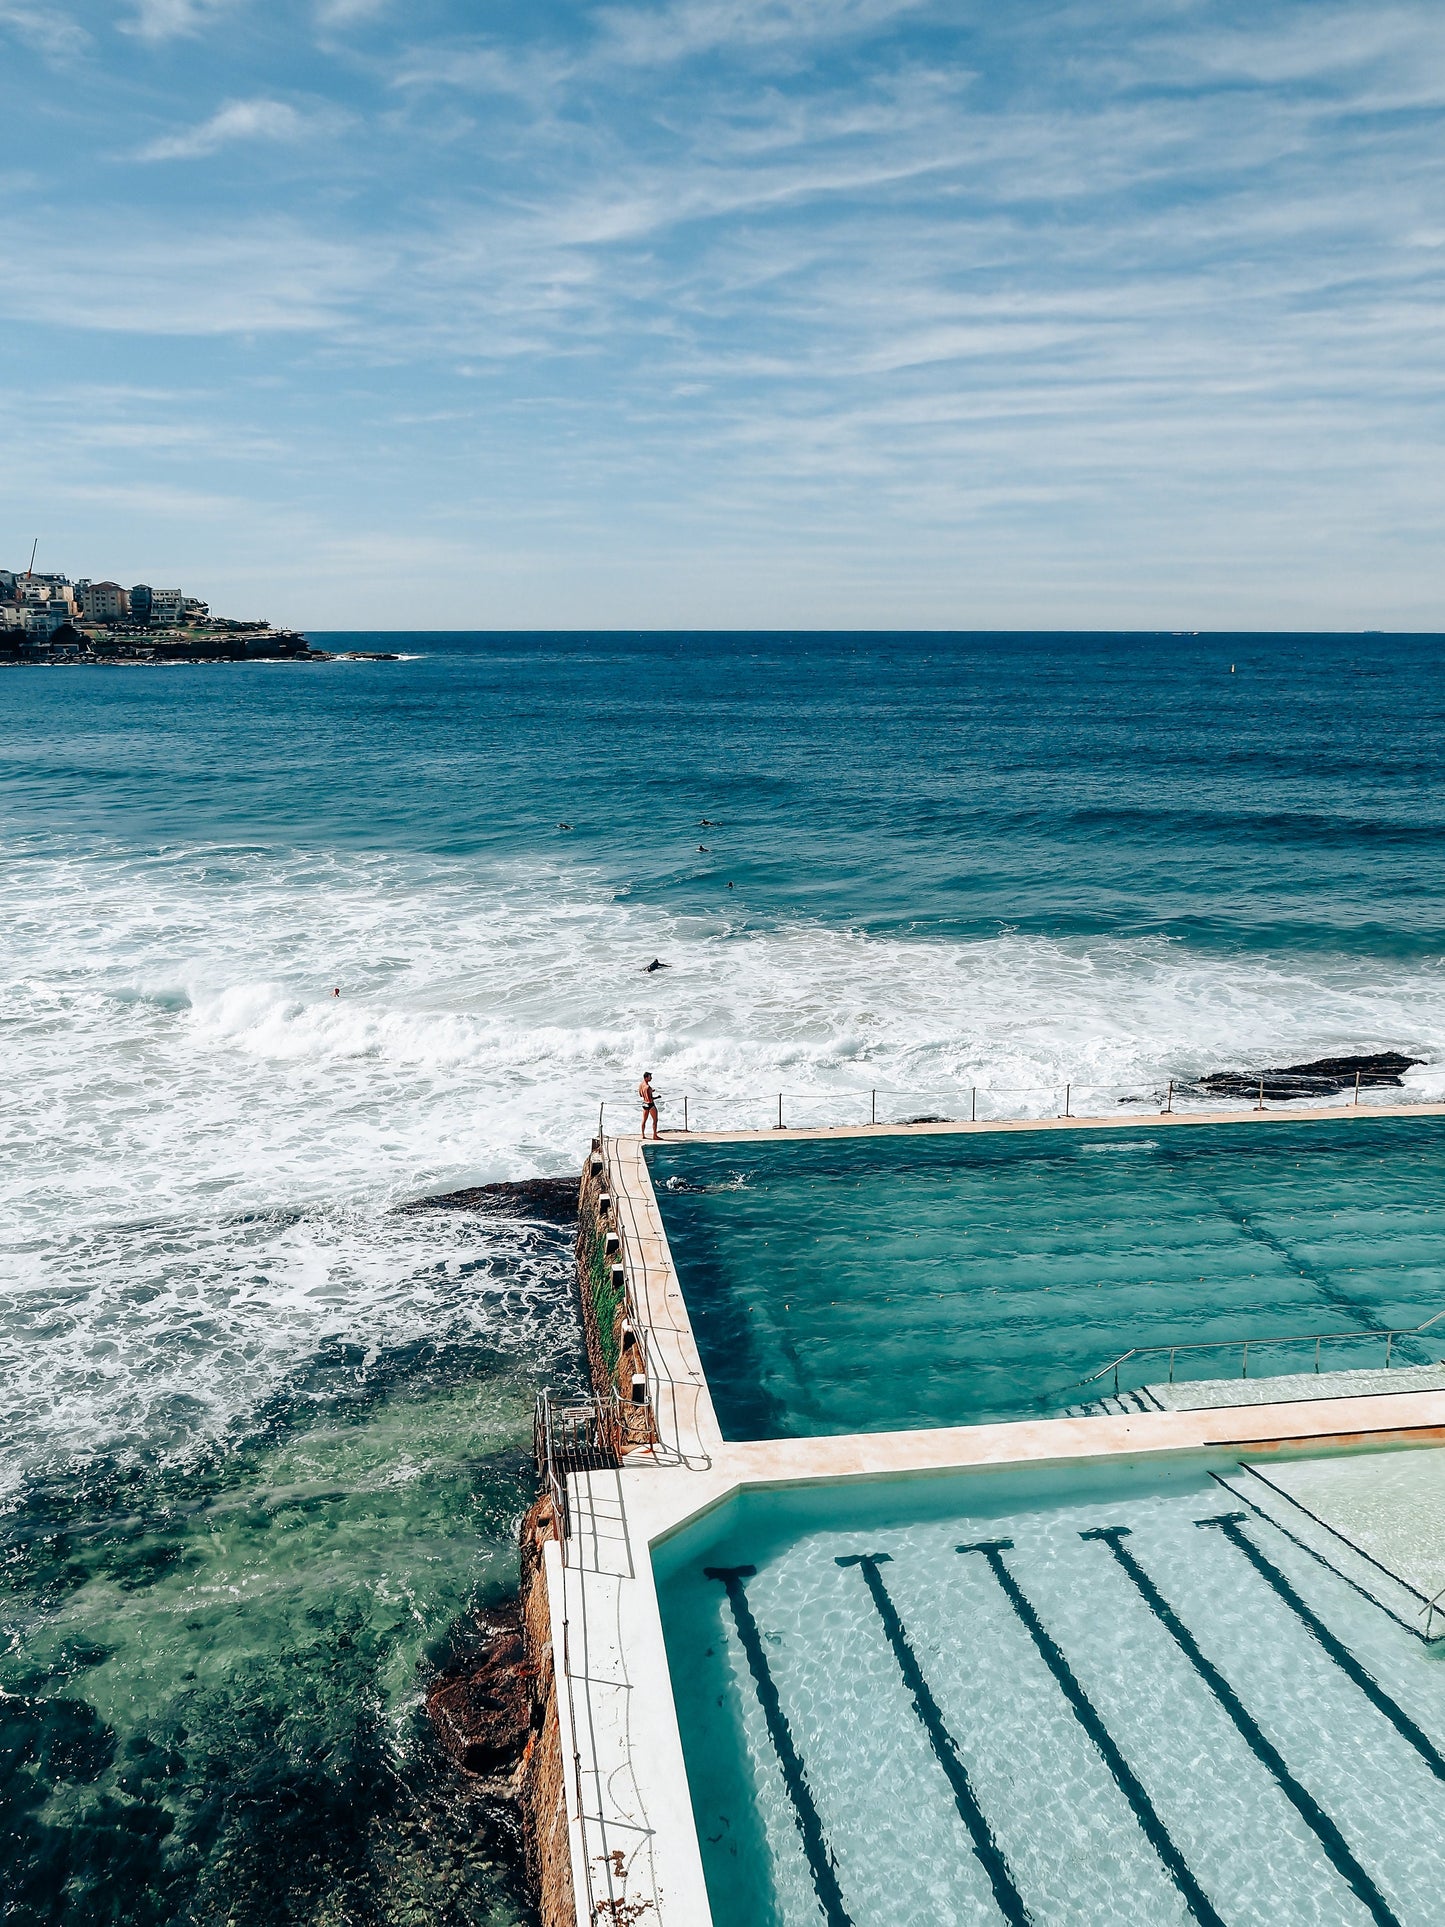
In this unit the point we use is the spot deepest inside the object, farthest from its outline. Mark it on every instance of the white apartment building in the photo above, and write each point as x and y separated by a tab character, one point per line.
167	606
44	618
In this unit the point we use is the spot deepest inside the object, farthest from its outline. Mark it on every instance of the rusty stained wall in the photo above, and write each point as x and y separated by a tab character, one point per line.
543	1788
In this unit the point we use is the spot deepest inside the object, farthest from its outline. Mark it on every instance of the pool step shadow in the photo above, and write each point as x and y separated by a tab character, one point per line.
1117	1404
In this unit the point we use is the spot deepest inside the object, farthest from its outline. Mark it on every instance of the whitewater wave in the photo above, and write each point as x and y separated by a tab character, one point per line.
203	1141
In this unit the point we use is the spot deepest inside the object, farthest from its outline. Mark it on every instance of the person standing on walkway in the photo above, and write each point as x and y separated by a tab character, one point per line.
649	1103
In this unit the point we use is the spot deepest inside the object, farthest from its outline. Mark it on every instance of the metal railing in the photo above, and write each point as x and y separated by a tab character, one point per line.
1243	1345
580	1436
978	1103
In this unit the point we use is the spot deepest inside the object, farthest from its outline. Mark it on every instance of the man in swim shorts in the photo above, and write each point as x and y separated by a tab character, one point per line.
649	1103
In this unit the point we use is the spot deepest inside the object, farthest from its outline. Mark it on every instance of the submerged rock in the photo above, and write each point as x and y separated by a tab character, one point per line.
482	1717
1323	1077
554	1199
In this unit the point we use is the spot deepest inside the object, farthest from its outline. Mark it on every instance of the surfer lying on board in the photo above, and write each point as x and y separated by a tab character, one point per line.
649	1103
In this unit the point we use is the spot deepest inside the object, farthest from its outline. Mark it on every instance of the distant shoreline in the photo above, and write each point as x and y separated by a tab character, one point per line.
266	648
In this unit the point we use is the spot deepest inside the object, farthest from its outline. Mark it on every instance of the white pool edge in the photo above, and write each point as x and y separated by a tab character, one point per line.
627	1785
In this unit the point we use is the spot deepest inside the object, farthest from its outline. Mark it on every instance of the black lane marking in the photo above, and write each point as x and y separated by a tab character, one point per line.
986	1849
1157	1834
815	1846
1229	1524
1268	1518
1303	1801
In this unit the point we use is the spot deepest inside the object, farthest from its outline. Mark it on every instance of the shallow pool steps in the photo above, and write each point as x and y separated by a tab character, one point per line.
1324	1546
1211	1394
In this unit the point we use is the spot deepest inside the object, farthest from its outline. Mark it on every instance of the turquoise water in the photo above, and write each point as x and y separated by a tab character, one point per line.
954	860
211	1685
876	1284
1181	1721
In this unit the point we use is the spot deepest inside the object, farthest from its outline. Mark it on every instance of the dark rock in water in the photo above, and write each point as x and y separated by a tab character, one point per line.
554	1199
656	964
926	1120
483	1716
1321	1078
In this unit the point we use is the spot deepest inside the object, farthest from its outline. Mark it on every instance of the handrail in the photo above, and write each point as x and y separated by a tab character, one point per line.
578	1431
1428	1611
1232	1344
979	1103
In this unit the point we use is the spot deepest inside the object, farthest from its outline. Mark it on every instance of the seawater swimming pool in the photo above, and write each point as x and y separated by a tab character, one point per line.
874	1283
1109	1693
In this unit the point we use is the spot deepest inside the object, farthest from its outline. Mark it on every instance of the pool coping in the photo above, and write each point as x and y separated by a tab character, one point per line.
627	1785
947	1127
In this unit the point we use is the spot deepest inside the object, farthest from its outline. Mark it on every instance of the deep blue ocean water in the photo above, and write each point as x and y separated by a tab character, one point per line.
243	1388
951	786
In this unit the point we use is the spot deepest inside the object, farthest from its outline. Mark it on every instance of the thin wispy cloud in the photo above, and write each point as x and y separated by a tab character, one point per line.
980	295
47	31
255	278
173	19
650	36
347	13
239	120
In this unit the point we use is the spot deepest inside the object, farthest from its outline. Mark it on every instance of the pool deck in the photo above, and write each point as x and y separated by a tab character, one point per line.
633	1841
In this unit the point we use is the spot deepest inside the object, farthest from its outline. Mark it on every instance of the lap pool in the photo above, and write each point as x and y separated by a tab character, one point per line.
885	1283
1094	1695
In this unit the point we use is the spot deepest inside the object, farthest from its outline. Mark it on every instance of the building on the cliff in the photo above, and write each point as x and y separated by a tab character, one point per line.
38	604
44	618
37	591
103	602
168	608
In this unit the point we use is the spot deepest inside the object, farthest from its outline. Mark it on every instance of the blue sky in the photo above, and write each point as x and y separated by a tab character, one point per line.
814	313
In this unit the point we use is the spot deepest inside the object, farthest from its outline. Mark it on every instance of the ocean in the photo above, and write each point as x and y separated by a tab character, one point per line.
266	1436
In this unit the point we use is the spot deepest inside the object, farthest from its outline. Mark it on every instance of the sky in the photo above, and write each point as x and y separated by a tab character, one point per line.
414	314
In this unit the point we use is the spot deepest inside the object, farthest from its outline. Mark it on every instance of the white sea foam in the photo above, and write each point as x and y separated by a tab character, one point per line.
201	1141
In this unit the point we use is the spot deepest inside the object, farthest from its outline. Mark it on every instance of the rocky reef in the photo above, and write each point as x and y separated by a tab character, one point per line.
1322	1077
